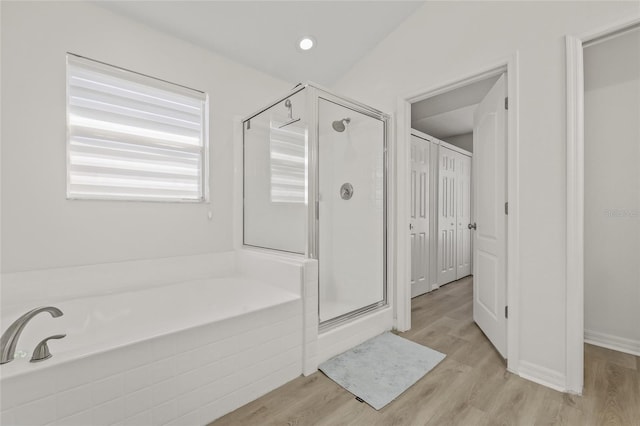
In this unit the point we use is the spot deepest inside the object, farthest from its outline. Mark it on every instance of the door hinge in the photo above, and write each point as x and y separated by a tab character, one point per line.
506	103
317	210
506	208
506	312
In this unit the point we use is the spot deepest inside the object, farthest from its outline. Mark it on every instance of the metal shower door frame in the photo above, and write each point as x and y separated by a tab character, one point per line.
315	94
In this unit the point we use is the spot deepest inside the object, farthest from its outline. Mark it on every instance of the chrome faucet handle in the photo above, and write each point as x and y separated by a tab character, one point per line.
9	339
41	352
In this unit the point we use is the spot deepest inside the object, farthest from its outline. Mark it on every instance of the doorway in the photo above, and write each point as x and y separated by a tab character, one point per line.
603	149
612	192
458	138
510	295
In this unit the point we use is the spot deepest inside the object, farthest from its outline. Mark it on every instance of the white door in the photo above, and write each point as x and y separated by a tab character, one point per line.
489	180
463	216
419	221
446	216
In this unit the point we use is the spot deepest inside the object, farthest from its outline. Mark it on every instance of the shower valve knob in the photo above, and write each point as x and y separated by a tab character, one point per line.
346	191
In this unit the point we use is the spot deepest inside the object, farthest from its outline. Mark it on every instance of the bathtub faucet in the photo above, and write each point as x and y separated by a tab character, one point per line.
9	339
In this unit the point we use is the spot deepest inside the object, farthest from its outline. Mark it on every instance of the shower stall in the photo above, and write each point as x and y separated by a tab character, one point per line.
315	184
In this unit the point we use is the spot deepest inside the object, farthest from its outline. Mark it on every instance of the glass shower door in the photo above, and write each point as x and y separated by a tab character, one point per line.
351	211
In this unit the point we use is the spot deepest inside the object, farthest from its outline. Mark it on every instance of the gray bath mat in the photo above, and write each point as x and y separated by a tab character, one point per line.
380	369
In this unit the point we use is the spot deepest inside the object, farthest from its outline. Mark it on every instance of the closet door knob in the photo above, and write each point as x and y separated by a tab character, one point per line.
471	226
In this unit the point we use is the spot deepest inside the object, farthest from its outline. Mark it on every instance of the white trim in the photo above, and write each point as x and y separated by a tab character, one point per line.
544	376
610	36
390	188
402	162
513	218
575	201
605	31
574	362
403	305
456	83
609	341
455	148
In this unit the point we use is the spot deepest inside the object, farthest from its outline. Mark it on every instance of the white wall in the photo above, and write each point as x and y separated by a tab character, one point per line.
612	191
461	141
494	31
40	228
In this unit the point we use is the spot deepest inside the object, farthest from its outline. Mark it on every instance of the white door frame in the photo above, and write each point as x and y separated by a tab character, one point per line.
403	134
575	199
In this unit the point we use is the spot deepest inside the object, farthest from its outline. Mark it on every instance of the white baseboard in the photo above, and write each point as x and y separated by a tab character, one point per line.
609	341
543	376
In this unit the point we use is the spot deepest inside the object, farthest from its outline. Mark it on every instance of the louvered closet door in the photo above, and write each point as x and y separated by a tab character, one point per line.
419	221
446	216
463	216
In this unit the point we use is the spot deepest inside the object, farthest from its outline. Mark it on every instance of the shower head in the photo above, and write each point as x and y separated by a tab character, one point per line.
340	125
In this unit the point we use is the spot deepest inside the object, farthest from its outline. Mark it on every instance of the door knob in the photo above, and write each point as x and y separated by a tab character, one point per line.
472	226
411	226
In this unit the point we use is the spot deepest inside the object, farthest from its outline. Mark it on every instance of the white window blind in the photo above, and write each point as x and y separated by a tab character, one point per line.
288	158
133	137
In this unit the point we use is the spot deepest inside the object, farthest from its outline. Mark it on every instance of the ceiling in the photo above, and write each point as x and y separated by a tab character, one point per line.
450	113
447	124
264	34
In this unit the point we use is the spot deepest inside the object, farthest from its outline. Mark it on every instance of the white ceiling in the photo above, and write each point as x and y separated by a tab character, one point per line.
264	34
446	124
450	113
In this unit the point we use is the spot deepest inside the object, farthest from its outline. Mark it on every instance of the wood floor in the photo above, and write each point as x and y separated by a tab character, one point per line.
470	387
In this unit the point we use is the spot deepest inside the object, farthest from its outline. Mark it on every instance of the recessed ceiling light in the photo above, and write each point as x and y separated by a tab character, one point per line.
306	43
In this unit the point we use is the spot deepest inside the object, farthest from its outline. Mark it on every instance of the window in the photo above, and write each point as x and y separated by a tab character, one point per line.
133	137
288	158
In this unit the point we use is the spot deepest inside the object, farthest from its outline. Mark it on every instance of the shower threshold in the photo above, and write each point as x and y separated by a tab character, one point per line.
342	314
